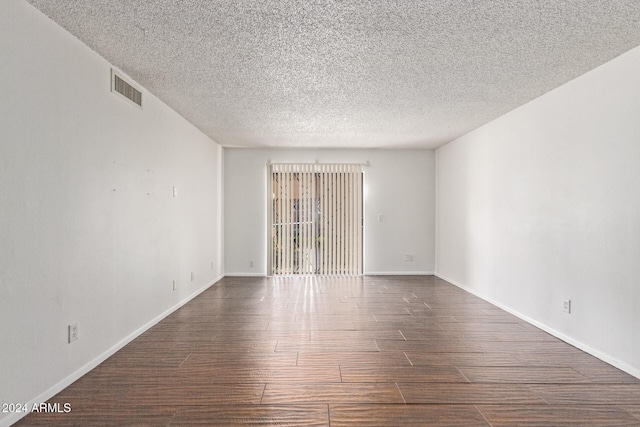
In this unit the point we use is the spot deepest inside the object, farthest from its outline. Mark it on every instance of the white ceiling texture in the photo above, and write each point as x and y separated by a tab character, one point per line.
349	73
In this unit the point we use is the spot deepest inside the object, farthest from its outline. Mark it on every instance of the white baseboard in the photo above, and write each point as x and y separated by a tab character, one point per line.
398	273
368	273
70	379
245	275
566	338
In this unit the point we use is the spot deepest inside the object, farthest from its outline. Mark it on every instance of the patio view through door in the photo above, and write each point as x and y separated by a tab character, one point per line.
315	219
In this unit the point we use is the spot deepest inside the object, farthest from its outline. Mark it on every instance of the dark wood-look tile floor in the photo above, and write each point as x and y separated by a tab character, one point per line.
385	351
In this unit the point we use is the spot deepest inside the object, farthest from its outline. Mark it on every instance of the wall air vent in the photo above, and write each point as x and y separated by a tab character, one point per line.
120	87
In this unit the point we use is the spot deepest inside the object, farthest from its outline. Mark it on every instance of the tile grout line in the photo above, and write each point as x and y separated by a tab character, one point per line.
175	413
401	395
480	412
405	355
264	389
463	375
185	359
629	412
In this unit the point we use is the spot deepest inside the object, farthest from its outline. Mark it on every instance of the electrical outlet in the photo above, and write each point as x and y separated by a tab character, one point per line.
408	257
566	305
175	285
250	263
193	276
73	332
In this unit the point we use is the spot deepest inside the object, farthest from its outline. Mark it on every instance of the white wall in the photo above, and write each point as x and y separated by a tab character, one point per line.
89	230
544	204
398	184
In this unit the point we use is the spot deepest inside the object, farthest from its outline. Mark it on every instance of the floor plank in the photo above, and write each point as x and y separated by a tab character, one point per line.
379	360
331	393
263	415
522	374
405	415
499	359
392	350
549	415
589	394
470	394
421	374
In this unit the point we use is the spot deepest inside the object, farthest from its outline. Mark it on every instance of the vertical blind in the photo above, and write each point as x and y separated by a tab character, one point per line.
316	219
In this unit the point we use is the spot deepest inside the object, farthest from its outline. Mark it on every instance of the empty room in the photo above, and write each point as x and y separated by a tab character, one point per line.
320	213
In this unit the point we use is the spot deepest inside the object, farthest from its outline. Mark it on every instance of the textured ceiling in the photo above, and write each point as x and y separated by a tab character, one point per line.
346	73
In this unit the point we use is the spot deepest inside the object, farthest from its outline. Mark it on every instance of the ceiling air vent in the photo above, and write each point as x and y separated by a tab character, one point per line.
121	87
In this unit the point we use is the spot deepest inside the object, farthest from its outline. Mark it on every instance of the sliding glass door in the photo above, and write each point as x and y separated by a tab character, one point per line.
315	219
